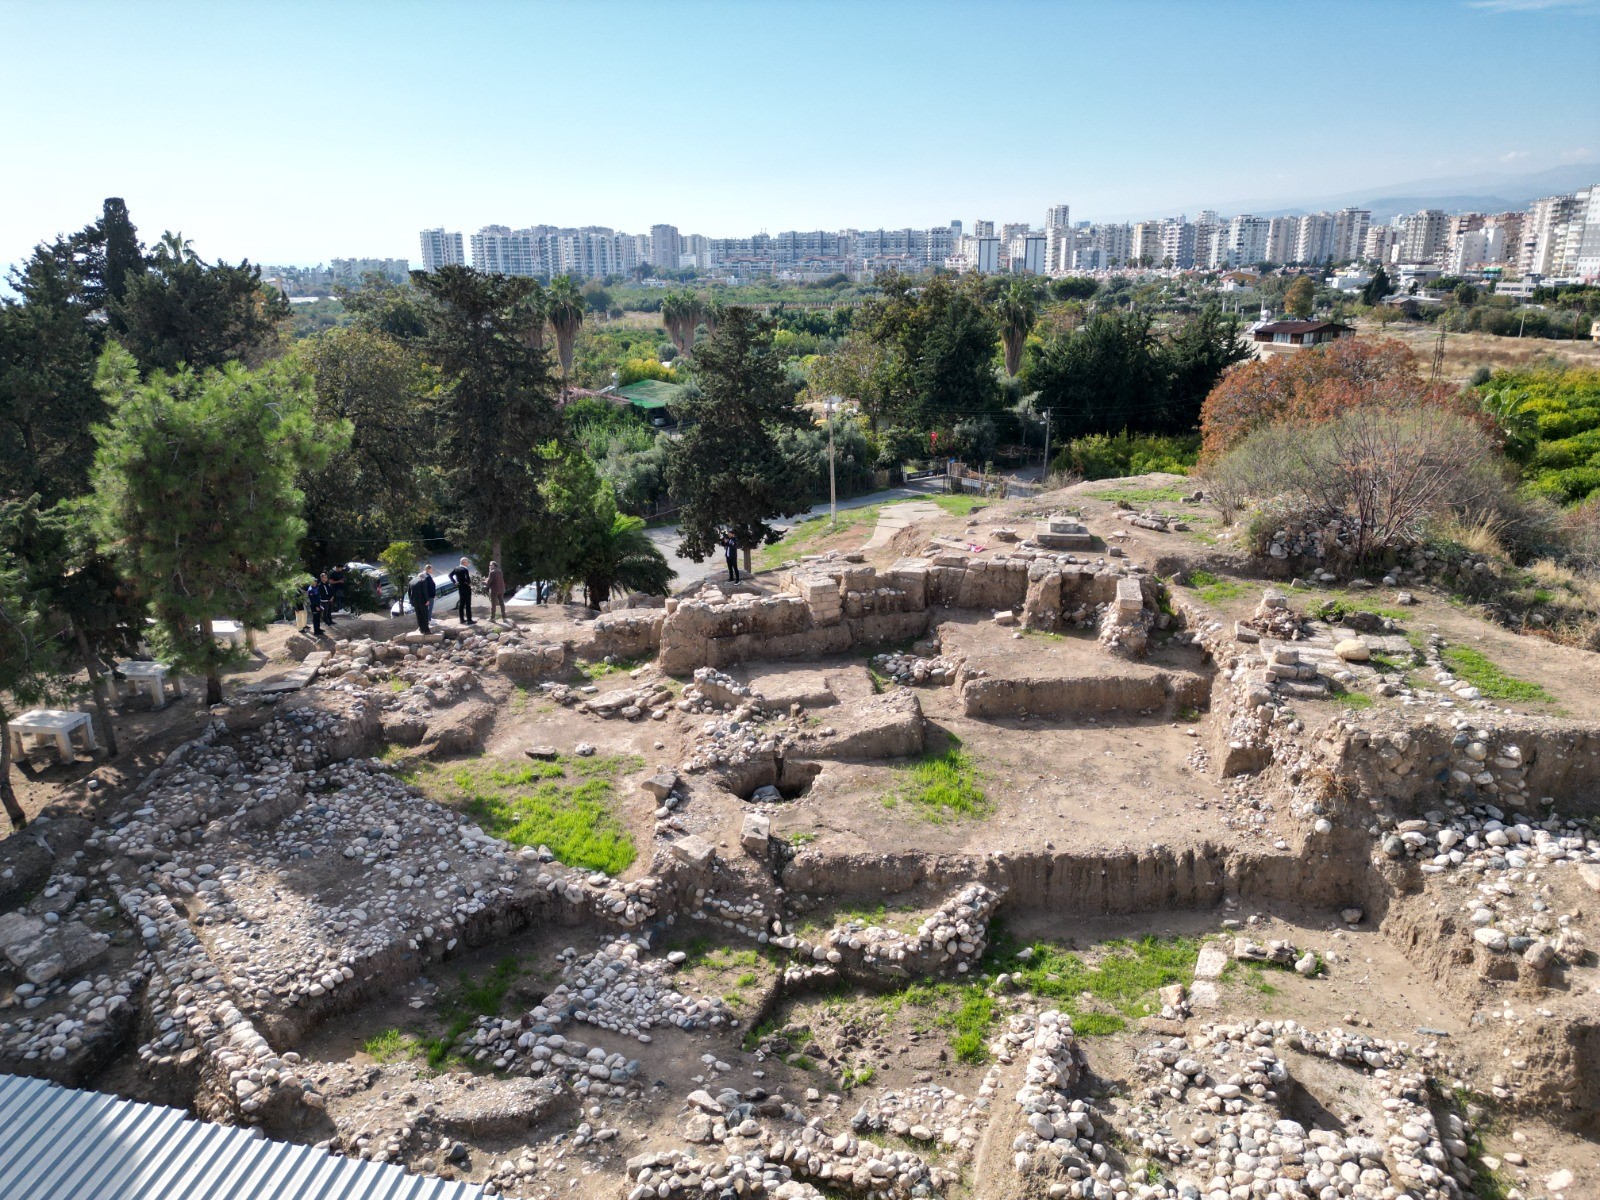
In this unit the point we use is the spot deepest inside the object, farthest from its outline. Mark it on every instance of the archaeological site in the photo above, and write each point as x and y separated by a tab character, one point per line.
1043	847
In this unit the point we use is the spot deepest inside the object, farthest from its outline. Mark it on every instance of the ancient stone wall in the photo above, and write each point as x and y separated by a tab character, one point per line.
832	603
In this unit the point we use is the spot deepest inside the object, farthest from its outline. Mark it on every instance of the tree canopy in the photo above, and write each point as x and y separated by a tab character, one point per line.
728	468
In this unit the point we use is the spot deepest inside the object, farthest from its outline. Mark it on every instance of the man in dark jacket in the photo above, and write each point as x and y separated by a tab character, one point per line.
314	607
496	586
463	580
336	581
421	592
730	551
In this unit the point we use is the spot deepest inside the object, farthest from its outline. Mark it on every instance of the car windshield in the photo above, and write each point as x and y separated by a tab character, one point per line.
528	591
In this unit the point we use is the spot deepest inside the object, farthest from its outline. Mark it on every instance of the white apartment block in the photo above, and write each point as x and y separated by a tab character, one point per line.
1282	232
1146	243
1381	244
1028	256
664	247
1177	244
1057	216
1314	239
499	250
983	229
1246	241
986	253
1350	233
441	249
1427	236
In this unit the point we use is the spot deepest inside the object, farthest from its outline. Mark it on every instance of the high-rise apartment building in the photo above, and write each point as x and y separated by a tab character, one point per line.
1177	244
1427	236
1282	233
1147	244
983	229
499	250
986	252
1246	240
1350	233
664	247
1314	239
1057	216
441	249
1380	244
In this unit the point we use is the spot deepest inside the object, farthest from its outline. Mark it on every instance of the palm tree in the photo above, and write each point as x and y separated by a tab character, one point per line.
623	556
672	317
564	308
713	317
694	311
1015	312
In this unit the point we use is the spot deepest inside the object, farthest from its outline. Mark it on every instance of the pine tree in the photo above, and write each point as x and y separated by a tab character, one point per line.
194	486
31	670
728	466
498	405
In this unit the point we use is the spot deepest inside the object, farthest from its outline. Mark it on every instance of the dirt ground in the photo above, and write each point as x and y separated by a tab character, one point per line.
1133	791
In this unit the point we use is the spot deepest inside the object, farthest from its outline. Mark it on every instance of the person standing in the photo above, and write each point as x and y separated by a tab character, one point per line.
463	580
314	607
730	551
325	590
421	592
496	587
336	580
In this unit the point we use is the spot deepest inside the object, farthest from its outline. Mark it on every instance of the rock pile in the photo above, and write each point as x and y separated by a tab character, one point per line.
910	669
953	937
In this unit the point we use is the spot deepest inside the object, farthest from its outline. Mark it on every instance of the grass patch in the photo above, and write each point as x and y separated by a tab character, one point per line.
398	685
801	838
943	787
392	1046
970	1023
473	998
851	1079
596	671
1214	589
1122	979
565	805
804	535
1475	668
1353	700
1138	495
962	505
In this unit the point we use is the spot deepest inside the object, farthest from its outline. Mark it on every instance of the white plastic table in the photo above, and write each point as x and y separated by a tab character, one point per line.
52	723
151	677
228	631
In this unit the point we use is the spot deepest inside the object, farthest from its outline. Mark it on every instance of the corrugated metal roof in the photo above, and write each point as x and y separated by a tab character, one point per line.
58	1143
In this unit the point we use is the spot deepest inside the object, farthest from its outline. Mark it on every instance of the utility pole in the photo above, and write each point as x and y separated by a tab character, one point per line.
1044	475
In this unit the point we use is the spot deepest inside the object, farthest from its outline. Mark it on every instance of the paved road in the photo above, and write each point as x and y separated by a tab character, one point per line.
666	537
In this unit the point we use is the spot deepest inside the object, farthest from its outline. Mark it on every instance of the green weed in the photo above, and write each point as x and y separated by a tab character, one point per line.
1214	589
533	804
960	506
1123	978
943	787
1354	700
1475	668
391	1046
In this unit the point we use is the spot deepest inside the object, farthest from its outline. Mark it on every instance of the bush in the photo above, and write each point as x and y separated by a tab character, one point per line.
1110	456
636	369
1385	477
1561	410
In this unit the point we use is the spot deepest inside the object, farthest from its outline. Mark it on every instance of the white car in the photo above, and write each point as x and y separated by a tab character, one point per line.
526	596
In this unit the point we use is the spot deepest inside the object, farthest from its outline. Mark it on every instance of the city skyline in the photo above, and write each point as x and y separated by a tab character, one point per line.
361	124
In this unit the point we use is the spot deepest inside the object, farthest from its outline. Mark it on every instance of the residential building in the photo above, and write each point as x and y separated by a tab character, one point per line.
983	229
1028	257
499	250
1587	260
1177	244
1314	238
664	247
1282	233
1350	233
986	256
1146	250
1381	244
1427	236
1246	240
1476	248
441	249
1115	243
955	232
1279	337
1207	240
1057	216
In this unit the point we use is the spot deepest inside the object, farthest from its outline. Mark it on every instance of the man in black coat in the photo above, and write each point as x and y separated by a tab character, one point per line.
421	592
314	607
463	580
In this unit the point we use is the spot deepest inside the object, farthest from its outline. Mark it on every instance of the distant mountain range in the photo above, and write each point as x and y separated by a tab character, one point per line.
1494	192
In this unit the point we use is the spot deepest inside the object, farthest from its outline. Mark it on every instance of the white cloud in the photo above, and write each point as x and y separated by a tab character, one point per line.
1515	156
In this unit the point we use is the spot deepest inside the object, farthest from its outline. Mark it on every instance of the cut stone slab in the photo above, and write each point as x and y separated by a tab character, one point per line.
543	753
1212	962
660	786
694	851
1204	995
755	833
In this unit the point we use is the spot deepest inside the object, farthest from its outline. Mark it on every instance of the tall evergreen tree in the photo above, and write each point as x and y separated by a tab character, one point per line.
194	485
728	466
183	311
31	669
497	404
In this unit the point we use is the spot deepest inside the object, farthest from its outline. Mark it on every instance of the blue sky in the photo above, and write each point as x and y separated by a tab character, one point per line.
293	132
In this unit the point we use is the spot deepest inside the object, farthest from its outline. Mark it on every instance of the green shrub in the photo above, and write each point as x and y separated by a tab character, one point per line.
1112	456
